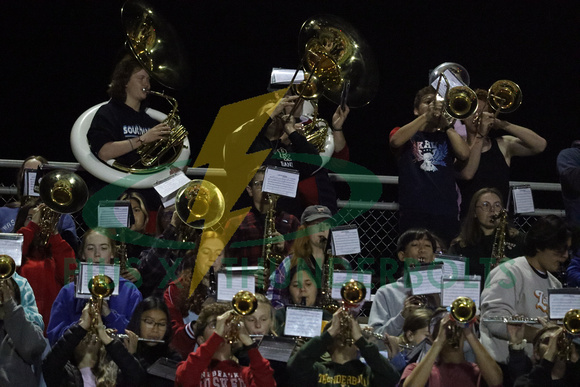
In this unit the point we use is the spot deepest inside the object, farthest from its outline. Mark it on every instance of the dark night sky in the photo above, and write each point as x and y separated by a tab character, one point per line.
58	57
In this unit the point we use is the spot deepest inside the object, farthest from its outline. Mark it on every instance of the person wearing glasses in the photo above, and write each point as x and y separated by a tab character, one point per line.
150	321
520	286
478	232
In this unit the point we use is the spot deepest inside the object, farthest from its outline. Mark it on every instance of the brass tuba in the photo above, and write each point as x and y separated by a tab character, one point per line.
460	101
244	304
63	192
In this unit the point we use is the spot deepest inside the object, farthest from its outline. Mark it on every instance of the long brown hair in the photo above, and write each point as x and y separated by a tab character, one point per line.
471	232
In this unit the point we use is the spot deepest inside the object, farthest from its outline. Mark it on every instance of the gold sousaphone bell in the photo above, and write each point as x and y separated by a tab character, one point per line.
334	54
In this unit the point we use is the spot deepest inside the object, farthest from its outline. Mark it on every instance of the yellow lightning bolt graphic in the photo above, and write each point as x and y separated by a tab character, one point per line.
228	127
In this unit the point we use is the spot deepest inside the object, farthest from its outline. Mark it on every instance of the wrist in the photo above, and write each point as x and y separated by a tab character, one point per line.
336	129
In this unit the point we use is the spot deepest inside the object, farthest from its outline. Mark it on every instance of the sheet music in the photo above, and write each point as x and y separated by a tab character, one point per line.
561	303
11	245
451	78
345	241
89	270
305	322
171	184
453	288
29	182
281	181
228	284
339	277
426	280
276	348
113	214
452	267
523	200
284	76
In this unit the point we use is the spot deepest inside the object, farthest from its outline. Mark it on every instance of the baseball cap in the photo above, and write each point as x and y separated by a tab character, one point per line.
316	212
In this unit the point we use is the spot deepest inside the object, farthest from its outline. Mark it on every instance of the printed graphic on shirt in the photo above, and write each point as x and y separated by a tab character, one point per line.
285	160
218	378
429	154
342	380
542	303
135	130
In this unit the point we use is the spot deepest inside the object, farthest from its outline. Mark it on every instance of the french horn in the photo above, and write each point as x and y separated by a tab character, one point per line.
154	44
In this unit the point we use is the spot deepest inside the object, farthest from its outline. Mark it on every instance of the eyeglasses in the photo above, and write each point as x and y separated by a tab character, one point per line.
258	183
488	207
152	323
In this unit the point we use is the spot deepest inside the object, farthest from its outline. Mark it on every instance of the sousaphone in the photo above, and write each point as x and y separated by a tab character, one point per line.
155	45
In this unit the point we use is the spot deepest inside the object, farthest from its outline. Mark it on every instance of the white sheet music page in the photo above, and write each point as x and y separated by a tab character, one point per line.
168	187
88	270
305	322
345	241
426	280
523	200
113	213
467	286
11	245
339	277
229	283
281	181
561	302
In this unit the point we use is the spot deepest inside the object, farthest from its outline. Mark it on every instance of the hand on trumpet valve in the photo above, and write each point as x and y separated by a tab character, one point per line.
411	303
6	293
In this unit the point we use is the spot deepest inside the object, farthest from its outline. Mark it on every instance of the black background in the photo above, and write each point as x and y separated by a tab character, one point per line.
57	58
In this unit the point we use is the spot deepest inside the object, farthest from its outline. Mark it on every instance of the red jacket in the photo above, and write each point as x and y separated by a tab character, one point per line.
201	370
183	340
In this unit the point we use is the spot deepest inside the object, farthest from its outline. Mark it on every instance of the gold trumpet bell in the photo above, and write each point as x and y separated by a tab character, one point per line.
101	286
7	267
572	321
463	309
244	303
505	96
199	204
353	293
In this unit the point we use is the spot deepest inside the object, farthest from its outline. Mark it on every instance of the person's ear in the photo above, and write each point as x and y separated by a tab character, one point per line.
401	256
249	190
416	111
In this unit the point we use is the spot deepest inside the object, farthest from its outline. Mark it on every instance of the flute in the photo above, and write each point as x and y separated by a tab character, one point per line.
124	336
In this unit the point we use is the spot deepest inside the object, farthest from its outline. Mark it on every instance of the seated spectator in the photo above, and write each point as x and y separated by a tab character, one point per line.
116	312
149	321
478	232
213	358
184	308
21	339
445	365
344	368
393	302
85	355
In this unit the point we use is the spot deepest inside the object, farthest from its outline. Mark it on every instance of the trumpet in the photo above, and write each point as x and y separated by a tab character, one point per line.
462	311
7	267
571	329
244	304
100	286
353	293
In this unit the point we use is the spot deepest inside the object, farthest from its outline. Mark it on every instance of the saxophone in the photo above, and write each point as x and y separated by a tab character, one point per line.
499	243
270	257
327	302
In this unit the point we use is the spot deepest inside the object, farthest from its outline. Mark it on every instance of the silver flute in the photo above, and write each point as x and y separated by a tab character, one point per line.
124	336
511	320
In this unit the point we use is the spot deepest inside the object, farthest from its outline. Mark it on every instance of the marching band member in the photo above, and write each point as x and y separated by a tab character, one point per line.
520	286
426	149
478	232
445	364
344	368
213	358
490	157
392	302
116	312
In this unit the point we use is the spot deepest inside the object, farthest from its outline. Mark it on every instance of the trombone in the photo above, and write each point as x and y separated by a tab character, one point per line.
460	101
503	96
